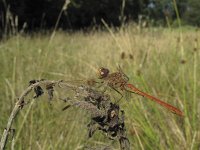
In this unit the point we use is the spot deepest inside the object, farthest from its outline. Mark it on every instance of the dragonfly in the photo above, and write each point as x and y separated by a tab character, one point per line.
119	81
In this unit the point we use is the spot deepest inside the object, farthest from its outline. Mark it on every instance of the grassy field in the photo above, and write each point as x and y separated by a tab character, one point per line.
162	62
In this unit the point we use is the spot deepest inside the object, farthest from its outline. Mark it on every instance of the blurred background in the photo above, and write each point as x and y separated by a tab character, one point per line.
80	14
155	42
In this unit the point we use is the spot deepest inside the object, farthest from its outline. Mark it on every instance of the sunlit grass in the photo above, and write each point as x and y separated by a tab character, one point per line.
153	62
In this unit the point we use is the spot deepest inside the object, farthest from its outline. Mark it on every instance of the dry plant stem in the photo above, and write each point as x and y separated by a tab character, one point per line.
18	106
13	114
106	115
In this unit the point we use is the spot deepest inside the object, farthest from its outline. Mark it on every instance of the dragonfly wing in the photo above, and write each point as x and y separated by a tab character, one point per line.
128	95
124	76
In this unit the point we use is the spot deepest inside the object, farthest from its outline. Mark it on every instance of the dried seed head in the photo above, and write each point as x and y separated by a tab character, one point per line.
112	114
50	90
38	90
130	56
183	61
195	49
122	55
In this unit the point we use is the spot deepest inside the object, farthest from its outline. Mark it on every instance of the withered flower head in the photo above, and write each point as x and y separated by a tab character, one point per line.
112	114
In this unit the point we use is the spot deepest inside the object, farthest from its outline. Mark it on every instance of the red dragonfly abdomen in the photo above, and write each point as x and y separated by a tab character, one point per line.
162	103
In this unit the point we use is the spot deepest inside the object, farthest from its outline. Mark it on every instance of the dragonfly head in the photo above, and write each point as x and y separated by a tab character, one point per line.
102	72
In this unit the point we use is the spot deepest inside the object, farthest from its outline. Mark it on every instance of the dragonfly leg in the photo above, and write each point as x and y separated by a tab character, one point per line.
118	100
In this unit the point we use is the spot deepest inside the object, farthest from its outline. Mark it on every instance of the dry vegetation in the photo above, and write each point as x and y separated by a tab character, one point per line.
159	61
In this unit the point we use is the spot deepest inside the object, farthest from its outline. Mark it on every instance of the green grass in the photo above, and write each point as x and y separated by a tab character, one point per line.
162	65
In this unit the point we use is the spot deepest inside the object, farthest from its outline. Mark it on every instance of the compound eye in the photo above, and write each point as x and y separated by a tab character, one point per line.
103	72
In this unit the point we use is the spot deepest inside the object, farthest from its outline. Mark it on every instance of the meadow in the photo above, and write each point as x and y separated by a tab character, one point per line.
162	62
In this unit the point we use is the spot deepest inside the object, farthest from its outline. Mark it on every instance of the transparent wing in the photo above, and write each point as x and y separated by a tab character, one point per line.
125	77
